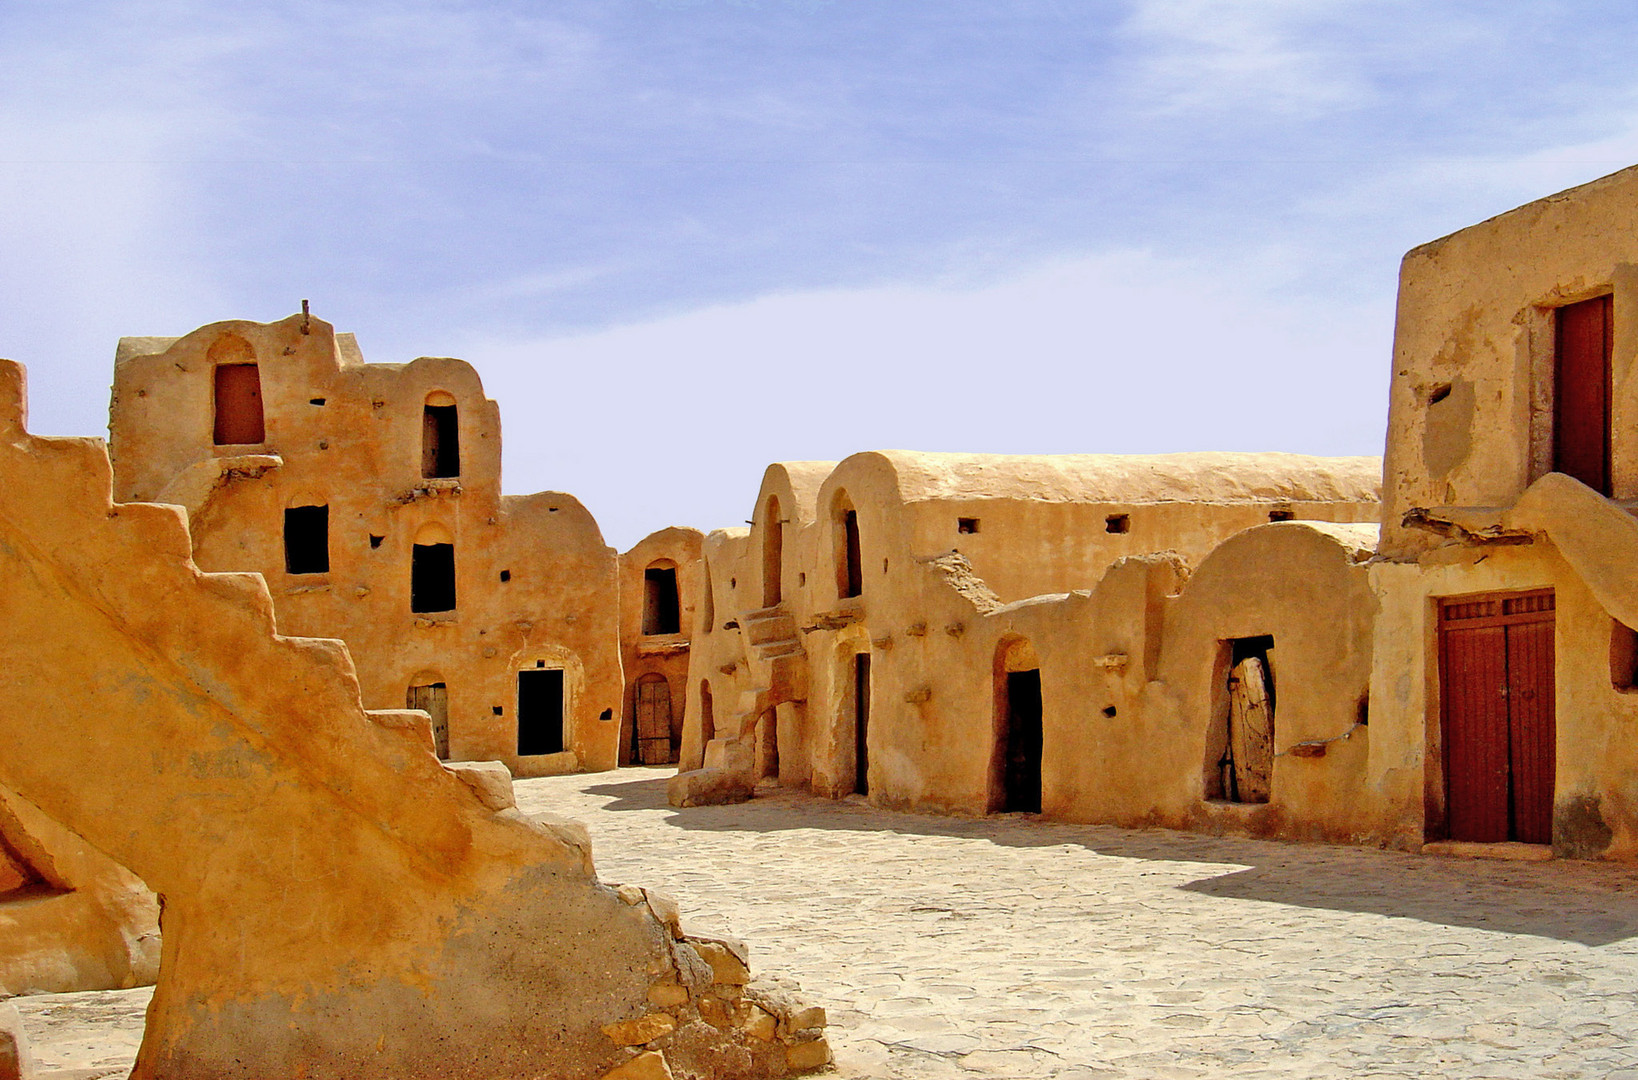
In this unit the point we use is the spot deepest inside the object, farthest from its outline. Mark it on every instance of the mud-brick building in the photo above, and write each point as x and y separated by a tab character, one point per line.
659	580
974	633
368	496
1505	695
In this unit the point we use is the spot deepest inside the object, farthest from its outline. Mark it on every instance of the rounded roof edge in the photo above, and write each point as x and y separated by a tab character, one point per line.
1204	477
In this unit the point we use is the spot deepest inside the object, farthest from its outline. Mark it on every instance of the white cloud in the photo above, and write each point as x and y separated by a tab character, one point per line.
1258	55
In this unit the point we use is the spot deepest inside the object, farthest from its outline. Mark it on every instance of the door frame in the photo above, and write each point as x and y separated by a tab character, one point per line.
1510	607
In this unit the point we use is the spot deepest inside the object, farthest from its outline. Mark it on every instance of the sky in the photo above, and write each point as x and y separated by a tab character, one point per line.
681	239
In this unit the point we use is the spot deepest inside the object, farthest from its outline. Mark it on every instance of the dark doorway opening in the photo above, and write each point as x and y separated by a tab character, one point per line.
773	554
239	405
440	442
433	699
1497	717
852	575
540	711
1583	336
767	745
432	577
861	722
307	540
1021	774
662	610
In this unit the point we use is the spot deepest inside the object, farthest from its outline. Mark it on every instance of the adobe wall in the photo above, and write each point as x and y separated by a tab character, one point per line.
1470	409
337	901
535	585
933	622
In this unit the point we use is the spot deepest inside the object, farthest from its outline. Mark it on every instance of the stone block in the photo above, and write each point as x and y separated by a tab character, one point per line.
708	787
490	781
668	995
726	968
666	910
757	1022
807	1019
16	1063
808	1056
649	1065
644	1029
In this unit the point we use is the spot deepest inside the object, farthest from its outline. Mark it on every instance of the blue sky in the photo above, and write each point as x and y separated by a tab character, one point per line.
683	238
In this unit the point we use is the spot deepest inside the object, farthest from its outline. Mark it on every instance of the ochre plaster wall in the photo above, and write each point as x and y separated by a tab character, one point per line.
535	584
337	902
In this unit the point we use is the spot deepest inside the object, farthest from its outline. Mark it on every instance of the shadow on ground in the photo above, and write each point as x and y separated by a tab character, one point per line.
1586	903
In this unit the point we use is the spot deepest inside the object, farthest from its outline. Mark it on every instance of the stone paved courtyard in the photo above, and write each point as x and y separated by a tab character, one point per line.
1006	947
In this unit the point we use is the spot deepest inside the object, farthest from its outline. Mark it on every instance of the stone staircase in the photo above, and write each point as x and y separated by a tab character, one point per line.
777	662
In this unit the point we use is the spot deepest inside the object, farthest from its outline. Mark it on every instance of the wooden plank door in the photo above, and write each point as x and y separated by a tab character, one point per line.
238	405
1251	731
1583	335
1497	716
433	699
654	720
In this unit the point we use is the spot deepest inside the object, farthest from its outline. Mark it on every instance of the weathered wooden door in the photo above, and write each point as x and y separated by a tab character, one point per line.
654	720
1583	337
1251	731
433	699
1496	711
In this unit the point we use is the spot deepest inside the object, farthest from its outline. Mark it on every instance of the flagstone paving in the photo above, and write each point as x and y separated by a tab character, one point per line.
1007	947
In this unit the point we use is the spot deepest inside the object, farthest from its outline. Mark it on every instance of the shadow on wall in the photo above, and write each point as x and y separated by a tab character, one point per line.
1585	903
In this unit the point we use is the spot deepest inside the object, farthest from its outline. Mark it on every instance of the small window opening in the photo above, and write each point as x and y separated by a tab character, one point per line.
498	710
606	714
1439	393
851	579
315	401
540	712
1362	713
1117	523
540	663
801	580
966	526
1281	515
1109	711
307	540
239	405
1623	656
661	611
506	575
432	577
440	442
375	541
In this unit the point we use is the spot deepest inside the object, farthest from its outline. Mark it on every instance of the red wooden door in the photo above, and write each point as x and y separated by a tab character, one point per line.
1496	681
1581	391
238	405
